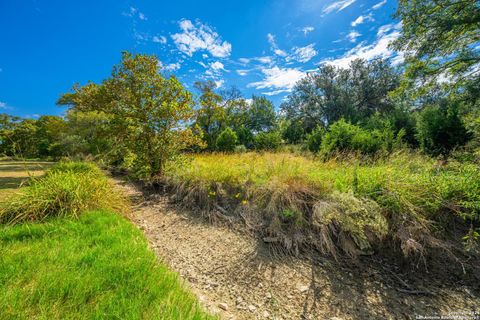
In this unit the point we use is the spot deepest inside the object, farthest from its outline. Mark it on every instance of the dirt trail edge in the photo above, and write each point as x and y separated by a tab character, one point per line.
237	277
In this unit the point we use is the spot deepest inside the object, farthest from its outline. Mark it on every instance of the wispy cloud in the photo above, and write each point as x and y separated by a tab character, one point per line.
379	5
135	13
242	72
303	54
3	105
362	19
278	79
159	39
274	46
170	67
307	30
353	35
379	48
199	36
338	6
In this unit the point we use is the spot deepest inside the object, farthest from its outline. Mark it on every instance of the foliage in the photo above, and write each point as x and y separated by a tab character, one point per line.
268	140
345	137
227	140
440	40
314	139
293	132
65	190
440	129
332	93
93	267
148	112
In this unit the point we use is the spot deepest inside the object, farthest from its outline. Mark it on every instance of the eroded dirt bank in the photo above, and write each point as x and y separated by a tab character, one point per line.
238	277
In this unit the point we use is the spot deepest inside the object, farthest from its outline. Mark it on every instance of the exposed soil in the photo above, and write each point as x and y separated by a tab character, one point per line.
238	277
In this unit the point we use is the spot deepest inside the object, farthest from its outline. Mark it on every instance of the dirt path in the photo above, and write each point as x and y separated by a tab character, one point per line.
238	278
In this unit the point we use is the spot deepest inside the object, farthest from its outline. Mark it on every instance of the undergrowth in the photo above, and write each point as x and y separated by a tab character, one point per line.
354	206
67	189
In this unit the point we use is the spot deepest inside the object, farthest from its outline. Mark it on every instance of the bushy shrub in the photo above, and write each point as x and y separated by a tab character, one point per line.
268	140
240	149
76	167
314	139
440	129
226	140
68	190
346	137
294	132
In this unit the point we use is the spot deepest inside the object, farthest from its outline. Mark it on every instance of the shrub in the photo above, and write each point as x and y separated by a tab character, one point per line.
268	140
226	140
440	129
345	137
294	132
67	190
240	149
314	139
76	167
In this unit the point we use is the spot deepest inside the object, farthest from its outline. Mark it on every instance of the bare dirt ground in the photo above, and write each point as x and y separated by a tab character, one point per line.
238	277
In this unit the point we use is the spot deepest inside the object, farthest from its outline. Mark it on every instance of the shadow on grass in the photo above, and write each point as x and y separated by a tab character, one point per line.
12	182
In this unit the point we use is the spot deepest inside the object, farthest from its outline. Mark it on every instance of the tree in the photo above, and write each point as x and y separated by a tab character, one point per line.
261	114
150	113
268	140
226	140
332	93
210	117
49	135
440	40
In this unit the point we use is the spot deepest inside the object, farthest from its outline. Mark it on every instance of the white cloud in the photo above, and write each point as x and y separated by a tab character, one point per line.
353	35
362	19
274	46
169	67
379	5
379	48
242	72
276	78
219	83
265	60
217	66
244	60
275	92
200	37
338	6
303	54
159	39
307	30
134	12
3	105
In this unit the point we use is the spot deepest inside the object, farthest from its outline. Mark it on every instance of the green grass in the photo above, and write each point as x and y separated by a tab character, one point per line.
95	267
399	196
67	189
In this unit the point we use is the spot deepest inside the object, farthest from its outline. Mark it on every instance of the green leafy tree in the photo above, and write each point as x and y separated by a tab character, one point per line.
210	117
261	114
149	112
226	140
440	39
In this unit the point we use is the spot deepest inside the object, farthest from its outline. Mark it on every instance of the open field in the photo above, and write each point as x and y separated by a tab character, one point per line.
329	205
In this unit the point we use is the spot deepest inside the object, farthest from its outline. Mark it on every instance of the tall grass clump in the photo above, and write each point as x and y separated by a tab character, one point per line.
67	189
346	205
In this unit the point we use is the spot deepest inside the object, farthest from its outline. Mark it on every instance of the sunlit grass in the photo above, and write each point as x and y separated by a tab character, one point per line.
95	267
412	190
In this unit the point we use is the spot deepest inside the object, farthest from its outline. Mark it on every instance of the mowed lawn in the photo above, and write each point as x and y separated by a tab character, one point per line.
98	266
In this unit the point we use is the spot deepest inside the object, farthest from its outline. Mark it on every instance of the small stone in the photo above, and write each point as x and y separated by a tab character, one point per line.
252	308
266	314
223	306
303	289
268	295
239	300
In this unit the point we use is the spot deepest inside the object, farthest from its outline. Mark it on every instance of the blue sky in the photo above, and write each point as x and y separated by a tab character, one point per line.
260	46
